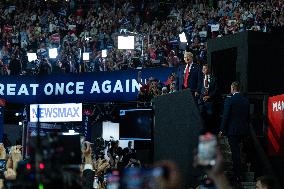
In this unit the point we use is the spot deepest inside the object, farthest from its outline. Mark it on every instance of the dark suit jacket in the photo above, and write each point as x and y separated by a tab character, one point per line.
195	78
212	90
235	116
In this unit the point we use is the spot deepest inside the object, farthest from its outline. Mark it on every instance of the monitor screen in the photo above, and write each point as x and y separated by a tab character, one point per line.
135	124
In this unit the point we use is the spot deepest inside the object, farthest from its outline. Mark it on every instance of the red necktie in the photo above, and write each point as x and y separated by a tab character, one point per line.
185	84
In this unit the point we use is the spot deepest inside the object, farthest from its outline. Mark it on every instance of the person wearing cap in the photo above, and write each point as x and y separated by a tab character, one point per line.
192	75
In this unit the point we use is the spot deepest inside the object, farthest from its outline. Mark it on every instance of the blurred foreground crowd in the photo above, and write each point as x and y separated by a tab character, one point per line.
118	168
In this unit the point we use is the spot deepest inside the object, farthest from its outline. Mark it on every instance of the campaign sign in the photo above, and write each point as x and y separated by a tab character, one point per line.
276	125
78	88
56	112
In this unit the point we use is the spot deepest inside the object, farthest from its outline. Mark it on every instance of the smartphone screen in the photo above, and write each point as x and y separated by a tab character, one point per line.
207	150
132	178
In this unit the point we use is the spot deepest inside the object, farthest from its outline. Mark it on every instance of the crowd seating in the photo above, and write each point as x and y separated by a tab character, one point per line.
73	29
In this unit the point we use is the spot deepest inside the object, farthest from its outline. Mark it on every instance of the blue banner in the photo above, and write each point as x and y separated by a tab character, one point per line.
81	88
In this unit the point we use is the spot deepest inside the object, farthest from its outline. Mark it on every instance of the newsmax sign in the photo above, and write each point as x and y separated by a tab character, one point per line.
56	112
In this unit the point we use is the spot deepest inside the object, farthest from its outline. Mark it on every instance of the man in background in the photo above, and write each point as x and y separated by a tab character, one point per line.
207	99
235	124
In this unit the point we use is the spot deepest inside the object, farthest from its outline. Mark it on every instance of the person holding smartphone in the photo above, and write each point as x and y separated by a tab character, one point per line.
88	173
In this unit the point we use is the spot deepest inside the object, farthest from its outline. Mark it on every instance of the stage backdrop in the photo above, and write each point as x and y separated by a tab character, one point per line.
276	125
87	87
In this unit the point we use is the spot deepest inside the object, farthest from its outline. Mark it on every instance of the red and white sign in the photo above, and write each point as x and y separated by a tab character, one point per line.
276	125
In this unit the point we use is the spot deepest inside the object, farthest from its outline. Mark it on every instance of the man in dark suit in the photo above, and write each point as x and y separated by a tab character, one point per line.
235	124
192	75
207	99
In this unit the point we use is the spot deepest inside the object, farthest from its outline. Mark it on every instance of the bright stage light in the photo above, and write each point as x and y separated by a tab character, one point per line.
31	57
182	38
52	53
86	56
125	42
104	53
71	132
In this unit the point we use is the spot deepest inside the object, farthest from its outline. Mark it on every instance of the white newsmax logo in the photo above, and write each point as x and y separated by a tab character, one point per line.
56	112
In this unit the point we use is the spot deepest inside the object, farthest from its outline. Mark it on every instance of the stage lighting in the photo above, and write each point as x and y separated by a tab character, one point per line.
71	132
125	42
104	53
52	53
182	38
31	57
86	56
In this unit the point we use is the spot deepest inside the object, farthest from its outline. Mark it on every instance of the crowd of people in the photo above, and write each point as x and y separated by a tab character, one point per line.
118	168
38	26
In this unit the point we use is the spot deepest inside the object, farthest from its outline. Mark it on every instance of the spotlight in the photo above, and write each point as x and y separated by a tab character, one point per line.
86	56
71	132
20	123
31	57
104	53
126	42
182	38
17	114
52	53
